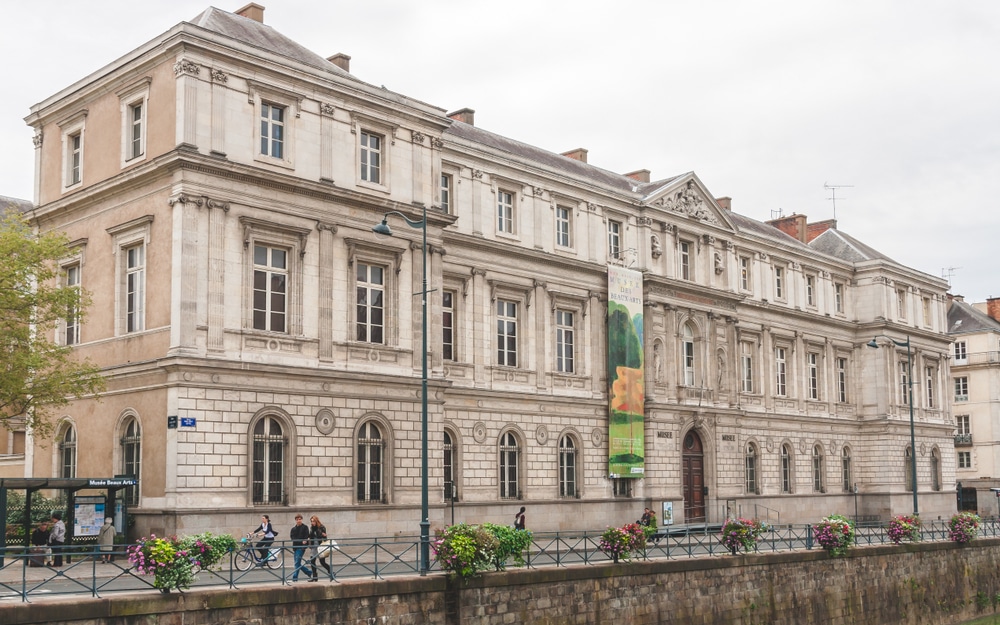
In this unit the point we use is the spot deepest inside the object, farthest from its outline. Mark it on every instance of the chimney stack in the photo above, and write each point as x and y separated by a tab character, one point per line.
794	226
342	61
252	11
725	202
642	175
813	230
466	116
578	154
993	307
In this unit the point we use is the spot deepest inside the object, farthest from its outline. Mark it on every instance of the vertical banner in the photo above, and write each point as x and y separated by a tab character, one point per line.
626	392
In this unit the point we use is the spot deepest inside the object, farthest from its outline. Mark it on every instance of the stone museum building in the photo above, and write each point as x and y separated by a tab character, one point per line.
262	345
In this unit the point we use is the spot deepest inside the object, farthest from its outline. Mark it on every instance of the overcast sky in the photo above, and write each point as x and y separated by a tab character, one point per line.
766	101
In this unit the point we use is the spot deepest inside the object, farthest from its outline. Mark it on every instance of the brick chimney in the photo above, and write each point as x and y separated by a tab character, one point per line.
341	60
725	202
578	154
794	226
813	230
466	116
993	307
642	175
252	11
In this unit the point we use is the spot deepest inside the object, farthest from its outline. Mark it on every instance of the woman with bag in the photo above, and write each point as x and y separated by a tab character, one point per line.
321	548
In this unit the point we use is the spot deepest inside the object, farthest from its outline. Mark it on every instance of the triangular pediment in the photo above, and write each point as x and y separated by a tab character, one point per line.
686	197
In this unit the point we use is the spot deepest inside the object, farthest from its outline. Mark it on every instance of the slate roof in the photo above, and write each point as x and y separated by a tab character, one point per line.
845	247
965	319
22	206
253	33
767	231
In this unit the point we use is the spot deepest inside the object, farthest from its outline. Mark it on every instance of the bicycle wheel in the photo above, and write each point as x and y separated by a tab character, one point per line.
244	558
275	558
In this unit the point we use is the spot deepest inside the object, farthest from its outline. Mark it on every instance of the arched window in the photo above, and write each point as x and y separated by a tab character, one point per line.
510	458
817	462
751	473
371	451
687	354
845	469
131	463
450	486
908	470
935	469
786	468
268	462
567	467
67	451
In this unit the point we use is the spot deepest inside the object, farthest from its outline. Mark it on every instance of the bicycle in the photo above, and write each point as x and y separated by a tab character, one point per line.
247	556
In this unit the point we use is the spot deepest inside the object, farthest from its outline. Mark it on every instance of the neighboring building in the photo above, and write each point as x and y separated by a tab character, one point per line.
262	346
975	373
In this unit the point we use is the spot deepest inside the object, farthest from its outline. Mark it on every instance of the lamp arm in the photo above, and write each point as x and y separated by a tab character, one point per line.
420	223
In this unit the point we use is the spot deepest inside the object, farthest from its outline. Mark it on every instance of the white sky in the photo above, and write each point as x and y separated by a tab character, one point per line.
766	101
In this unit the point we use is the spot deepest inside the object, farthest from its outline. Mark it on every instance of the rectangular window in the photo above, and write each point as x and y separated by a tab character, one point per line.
961	353
810	290
779	283
272	130
621	487
927	311
686	268
930	377
448	325
270	288
505	211
446	184
614	239
962	389
746	367
506	333
842	380
745	273
135	288
904	382
135	118
901	303
370	303
73	313
812	362
965	460
779	371
371	157
75	159
838	297
564	341
563	223
962	424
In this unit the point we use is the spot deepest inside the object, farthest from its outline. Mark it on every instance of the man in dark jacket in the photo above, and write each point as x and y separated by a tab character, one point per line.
300	540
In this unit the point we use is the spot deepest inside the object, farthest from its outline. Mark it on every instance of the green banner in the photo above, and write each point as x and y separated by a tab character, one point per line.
626	388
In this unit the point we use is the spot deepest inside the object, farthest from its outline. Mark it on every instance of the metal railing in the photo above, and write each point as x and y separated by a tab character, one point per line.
84	575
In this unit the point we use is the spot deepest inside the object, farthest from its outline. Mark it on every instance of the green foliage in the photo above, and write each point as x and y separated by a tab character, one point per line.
835	533
174	562
207	550
465	550
41	510
511	544
619	543
37	374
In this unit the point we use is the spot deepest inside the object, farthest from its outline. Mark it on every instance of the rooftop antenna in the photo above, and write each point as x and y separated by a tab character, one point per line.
948	272
833	194
777	214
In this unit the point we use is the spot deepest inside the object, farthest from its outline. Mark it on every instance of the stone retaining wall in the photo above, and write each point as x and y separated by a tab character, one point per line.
926	584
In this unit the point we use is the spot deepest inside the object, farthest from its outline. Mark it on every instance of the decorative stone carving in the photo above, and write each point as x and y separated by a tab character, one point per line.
186	67
479	432
719	265
477	174
436	143
210	203
542	434
417	136
644	221
183	198
37	139
538	191
597	437
592	207
654	246
219	76
327	109
325	421
688	201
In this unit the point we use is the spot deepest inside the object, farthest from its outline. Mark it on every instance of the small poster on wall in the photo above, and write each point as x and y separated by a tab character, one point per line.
88	516
668	513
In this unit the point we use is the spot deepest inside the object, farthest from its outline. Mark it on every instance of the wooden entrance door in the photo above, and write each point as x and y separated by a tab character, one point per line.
693	462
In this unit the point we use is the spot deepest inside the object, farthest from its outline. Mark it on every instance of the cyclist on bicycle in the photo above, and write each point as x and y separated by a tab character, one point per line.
266	530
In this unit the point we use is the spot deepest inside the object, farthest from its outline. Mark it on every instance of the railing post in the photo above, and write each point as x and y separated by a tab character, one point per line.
809	536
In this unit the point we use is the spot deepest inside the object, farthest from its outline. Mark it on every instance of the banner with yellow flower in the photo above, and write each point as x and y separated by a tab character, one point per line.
626	411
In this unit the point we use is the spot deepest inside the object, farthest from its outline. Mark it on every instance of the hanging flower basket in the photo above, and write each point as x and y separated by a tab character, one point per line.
834	533
904	528
741	534
963	527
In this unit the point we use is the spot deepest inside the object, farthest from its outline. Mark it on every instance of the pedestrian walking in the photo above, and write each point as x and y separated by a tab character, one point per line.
519	519
300	540
320	548
57	538
106	539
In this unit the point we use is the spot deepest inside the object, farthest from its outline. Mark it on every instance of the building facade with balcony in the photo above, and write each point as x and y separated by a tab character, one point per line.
262	345
975	370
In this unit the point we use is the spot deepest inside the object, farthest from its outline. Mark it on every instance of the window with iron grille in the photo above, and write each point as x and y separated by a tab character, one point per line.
371	447
510	457
845	470
268	462
786	469
73	313
567	467
67	452
450	491
751	469
817	462
131	451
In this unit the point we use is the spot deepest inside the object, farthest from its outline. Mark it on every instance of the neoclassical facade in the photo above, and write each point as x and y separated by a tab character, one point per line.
262	344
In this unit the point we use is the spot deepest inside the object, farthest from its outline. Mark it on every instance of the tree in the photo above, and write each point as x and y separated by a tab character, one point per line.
37	374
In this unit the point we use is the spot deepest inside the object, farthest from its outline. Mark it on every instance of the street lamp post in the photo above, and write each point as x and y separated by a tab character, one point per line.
425	523
909	384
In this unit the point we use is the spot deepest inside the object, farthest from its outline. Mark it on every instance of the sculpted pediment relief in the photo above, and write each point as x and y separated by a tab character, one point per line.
690	200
